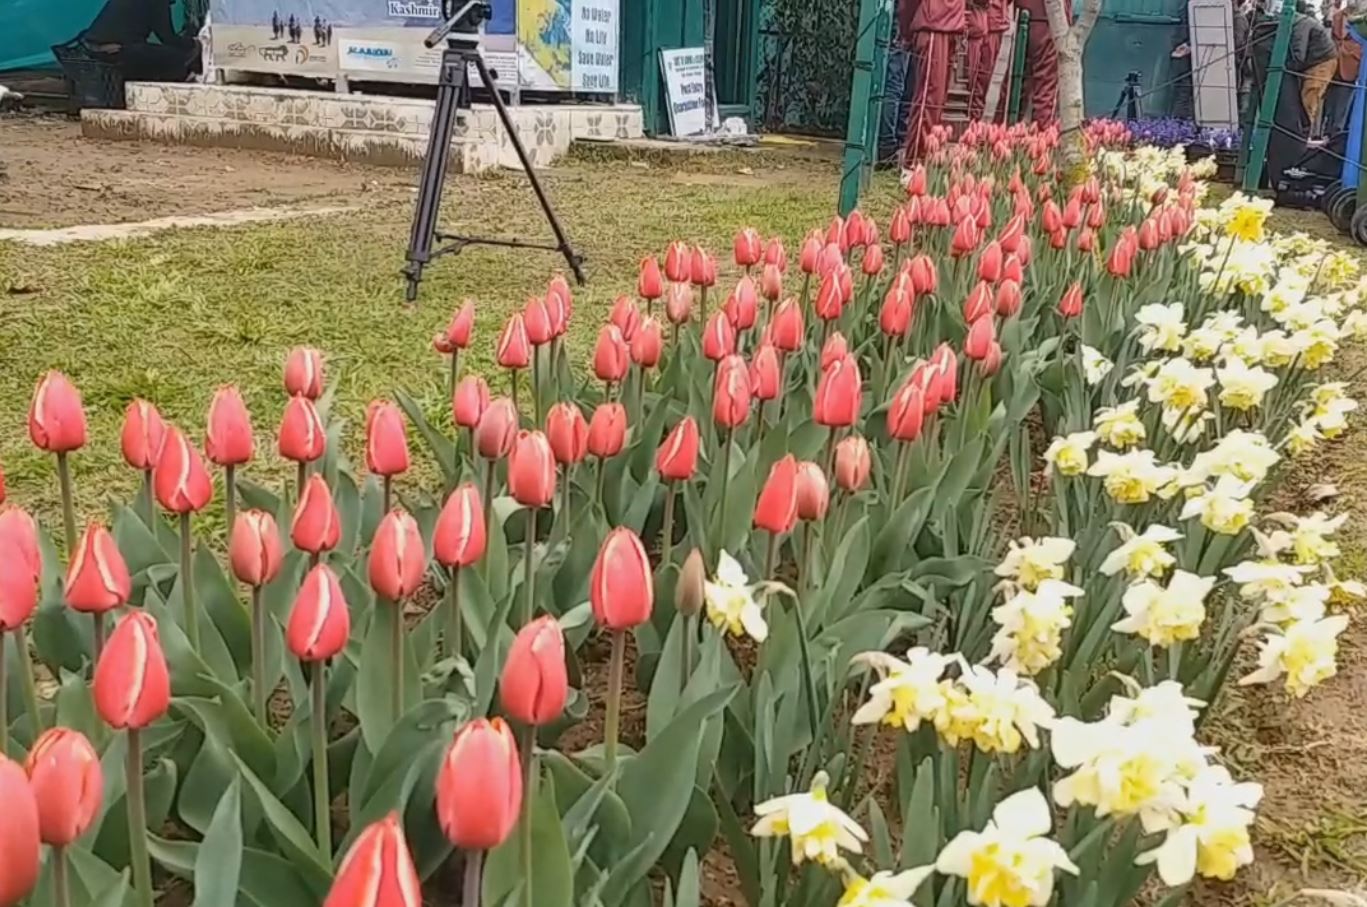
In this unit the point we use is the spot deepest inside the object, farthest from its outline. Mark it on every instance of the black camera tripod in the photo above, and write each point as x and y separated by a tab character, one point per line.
453	94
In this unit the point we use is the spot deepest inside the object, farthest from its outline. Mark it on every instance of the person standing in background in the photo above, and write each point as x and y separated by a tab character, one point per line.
892	122
1338	100
933	26
1315	57
986	23
1041	62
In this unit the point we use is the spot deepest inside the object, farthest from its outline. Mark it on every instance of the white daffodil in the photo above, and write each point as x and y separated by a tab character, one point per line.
1319	343
1186	426
1011	862
1309	537
1303	438
1118	769
1164	705
1247	345
1162	326
1141	555
817	829
1067	454
734	604
1266	579
1165	615
1131	478
1202	344
1287	292
885	889
1180	386
1342	592
1243	454
997	710
1298	603
1029	562
1095	366
1119	426
1304	651
1242	388
1031	627
1225	509
908	692
1212	838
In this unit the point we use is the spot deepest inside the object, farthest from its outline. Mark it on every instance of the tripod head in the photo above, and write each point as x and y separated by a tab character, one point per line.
464	21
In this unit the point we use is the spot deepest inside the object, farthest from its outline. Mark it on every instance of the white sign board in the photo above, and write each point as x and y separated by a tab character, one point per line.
685	74
594	45
1214	81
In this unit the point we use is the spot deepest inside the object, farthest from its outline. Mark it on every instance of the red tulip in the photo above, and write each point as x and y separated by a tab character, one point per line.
620	587
832	257
625	316
456	336
766	375
899	231
1058	240
386	439
1008	298
679	303
785	328
990	262
981	300
535	684
19	835
647	343
302	437
677	457
228	438
1011	233
19	540
514	349
906	413
68	785
981	335
829	302
677	262
304	373
702	268
1148	235
181	482
97	580
316	526
611	356
1051	219
531	469
894	318
132	687
1070	306
852	463
774	254
650	284
946	364
813	494
742	306
18	574
470	401
836	348
557	311
378	870
836	234
56	419
776	509
771	283
731	392
607	430
748	247
1024	251
990	364
558	288
459	539
1086	240
567	433
923	277
838	394
142	436
497	429
538	321
254	548
718	337
965	238
872	265
1011	266
1096	216
916	183
1120	260
810	253
320	620
479	786
1072	213
397	557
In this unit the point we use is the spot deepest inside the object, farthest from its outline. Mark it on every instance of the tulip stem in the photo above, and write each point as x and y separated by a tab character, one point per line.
98	620
725	480
453	615
322	811
4	696
804	572
68	507
137	821
528	570
527	744
488	491
616	667
61	887
259	692
396	654
667	537
470	892
149	501
770	555
26	677
516	408
565	502
536	384
187	581
230	496
598	486
899	473
301	477
387	483
452	380
686	653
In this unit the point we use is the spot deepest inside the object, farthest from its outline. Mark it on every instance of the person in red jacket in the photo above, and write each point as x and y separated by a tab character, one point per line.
987	21
1041	74
929	27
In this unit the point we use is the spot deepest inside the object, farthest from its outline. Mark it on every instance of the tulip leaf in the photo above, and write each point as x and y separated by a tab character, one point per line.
290	834
552	879
159	788
210	772
593	813
348	500
228	721
76	708
375	676
844	574
216	596
61	636
440	445
136	542
742	846
642	503
92	881
498	639
689	893
189	672
259	497
899	533
429	721
267	880
218	865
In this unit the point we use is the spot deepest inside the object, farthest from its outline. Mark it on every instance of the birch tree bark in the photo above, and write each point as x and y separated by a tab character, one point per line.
1069	41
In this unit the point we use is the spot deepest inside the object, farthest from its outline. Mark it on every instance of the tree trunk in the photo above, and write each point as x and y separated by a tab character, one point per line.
1069	42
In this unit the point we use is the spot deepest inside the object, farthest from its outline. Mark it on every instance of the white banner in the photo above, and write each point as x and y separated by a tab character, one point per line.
685	73
593	66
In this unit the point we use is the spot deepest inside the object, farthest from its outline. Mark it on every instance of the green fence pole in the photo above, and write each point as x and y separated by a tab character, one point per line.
1022	39
861	88
1254	152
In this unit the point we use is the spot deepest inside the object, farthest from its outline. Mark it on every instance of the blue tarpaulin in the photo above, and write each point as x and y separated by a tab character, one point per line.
29	28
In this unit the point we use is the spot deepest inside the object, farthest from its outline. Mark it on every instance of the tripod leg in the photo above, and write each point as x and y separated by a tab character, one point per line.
449	89
571	258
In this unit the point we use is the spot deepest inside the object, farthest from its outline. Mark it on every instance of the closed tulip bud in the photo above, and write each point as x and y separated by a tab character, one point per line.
854	229
923	277
786	329
1008	298
647	343
1058	240
990	364
320	620
718	337
748	247
813	494
838	394
677	262
621	591
97	580
775	254
731	392
810	253
479	786
181	482
607	430
567	432
302	437
899	231
535	684
965	238
20	567
1096	216
990	262
386	440
537	321
906	412
456	336
20	844
677	457
980	301
1024	251
1086	240
1120	259
690	593
776	509
56	419
872	265
459	539
679	303
397	557
228	438
378	870
611	356
470	401
836	348
765	374
829	303
19	540
981	335
702	268
531	469
946	363
496	430
650	283
558	304
916	181
1012	269
316	526
894	318
132	687
852	463
254	549
1148	235
142	436
832	258
1072	213
742	306
68	785
771	283
1051	219
514	349
304	373
1070	306
1011	233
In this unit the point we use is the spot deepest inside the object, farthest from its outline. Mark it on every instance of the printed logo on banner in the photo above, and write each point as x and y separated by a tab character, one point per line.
413	9
369	55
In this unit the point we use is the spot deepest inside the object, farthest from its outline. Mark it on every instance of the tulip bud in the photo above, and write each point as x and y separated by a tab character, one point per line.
742	306
181	482
456	336
1050	217
397	557
378	870
775	254
1086	240
990	364
1072	213
718	337
479	786
854	228
1096	216
923	277
765	374
677	457
916	182
320	620
894	318
990	262
771	283
1011	233
852	463
304	373
829	303
776	509
981	300
872	265
1024	251
535	684
459	539
302	437
316	526
386	440
981	335
836	348
97	580
142	435
611	356
621	590
1120	259
514	349
690	591
947	364
702	268
965	238
1070	306
906	412
20	567
899	231
1148	235
650	284
254	548
567	433
531	469
786	327
228	438
56	419
132	687
470	401
558	305
679	303
496	430
607	430
1008	298
813	494
68	785
19	835
677	258
537	321
748	247
19	540
810	254
647	343
731	392
1011	265
838	394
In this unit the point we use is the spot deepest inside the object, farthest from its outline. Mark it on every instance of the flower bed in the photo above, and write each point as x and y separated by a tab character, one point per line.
990	484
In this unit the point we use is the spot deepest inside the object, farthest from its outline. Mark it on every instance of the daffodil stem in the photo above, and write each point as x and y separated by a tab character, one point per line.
851	781
529	570
616	667
259	691
667	537
61	886
396	655
68	505
149	501
26	678
97	619
809	682
230	496
527	744
322	812
137	821
187	581
453	615
470	890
